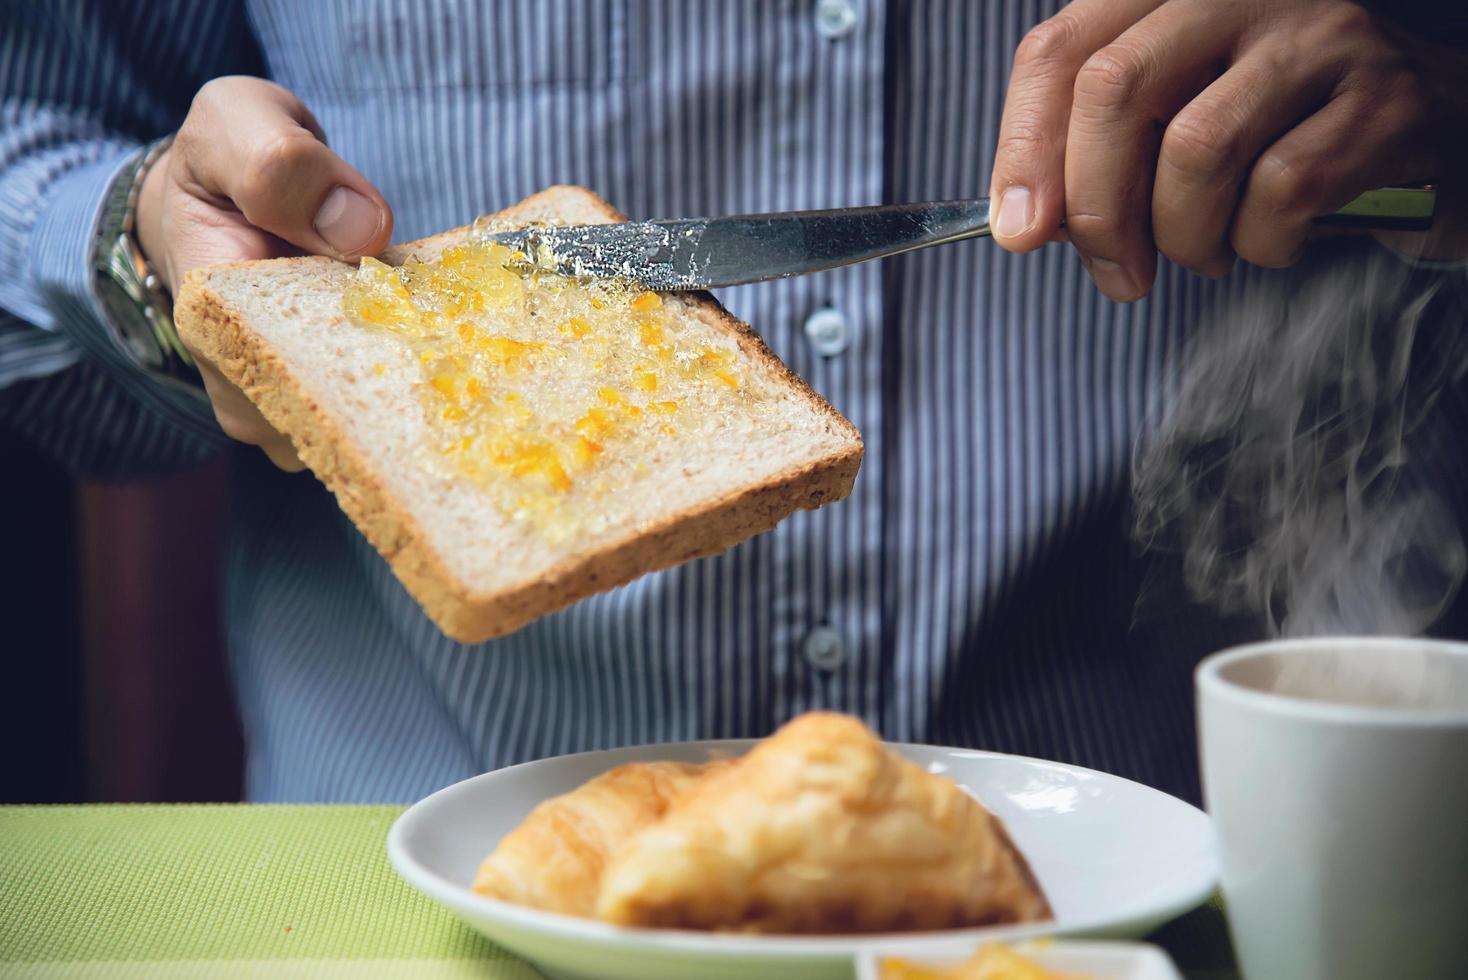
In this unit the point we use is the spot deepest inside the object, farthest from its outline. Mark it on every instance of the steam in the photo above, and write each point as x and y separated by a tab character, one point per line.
1279	473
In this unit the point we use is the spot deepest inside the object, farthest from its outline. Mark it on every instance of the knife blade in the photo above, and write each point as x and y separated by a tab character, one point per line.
705	253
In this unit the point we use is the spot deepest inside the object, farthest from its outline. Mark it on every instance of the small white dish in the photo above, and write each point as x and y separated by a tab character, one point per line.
1103	960
1114	857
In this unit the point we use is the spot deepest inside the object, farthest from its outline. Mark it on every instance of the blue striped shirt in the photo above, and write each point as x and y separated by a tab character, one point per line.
977	588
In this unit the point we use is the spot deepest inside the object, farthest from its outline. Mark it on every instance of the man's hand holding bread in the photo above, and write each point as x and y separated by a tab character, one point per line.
249	177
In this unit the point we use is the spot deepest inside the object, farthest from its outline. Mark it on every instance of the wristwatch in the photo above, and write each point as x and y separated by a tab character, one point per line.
138	306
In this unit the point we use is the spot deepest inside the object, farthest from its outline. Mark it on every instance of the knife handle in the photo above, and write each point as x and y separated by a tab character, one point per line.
844	236
1406	208
1409	207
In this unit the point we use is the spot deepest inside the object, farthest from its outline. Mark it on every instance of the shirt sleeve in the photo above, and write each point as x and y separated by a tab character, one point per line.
90	425
85	84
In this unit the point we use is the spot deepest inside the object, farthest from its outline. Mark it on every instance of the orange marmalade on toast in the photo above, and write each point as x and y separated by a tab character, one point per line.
547	391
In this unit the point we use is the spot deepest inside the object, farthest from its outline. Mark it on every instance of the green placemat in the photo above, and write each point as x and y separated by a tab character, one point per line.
266	891
221	891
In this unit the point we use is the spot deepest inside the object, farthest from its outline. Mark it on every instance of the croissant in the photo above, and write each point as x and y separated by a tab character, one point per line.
821	829
554	859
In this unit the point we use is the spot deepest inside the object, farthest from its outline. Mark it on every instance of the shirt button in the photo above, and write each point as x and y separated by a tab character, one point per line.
835	18
828	331
823	648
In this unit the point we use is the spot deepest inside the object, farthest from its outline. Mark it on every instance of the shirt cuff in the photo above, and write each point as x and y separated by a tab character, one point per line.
65	237
64	268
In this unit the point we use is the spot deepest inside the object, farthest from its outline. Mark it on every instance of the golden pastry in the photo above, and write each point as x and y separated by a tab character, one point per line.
554	859
820	829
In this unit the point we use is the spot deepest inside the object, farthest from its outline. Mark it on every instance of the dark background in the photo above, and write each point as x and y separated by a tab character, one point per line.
119	686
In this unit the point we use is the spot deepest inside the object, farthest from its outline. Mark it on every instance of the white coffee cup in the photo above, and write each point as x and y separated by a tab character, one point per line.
1336	773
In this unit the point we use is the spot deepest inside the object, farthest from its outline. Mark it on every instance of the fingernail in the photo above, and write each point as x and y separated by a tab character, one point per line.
347	220
1112	278
1016	212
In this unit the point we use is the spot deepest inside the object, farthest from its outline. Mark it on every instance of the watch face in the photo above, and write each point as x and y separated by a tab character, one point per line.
143	332
122	292
138	310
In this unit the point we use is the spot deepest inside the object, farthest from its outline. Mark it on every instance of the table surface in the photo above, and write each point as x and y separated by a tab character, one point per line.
214	891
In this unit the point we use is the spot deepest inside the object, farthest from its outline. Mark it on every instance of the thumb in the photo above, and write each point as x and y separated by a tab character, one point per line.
253	143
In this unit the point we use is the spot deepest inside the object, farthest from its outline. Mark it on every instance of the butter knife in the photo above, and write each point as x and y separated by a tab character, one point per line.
704	253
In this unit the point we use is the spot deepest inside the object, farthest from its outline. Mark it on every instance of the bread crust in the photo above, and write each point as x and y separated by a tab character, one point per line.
223	337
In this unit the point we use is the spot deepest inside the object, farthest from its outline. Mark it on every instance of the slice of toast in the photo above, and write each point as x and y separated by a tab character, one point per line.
350	397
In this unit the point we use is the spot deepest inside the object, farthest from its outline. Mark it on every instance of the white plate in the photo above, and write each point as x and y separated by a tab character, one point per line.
1115	859
1106	960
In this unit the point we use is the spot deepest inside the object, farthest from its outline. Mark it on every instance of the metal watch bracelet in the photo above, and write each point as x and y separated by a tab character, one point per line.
139	306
